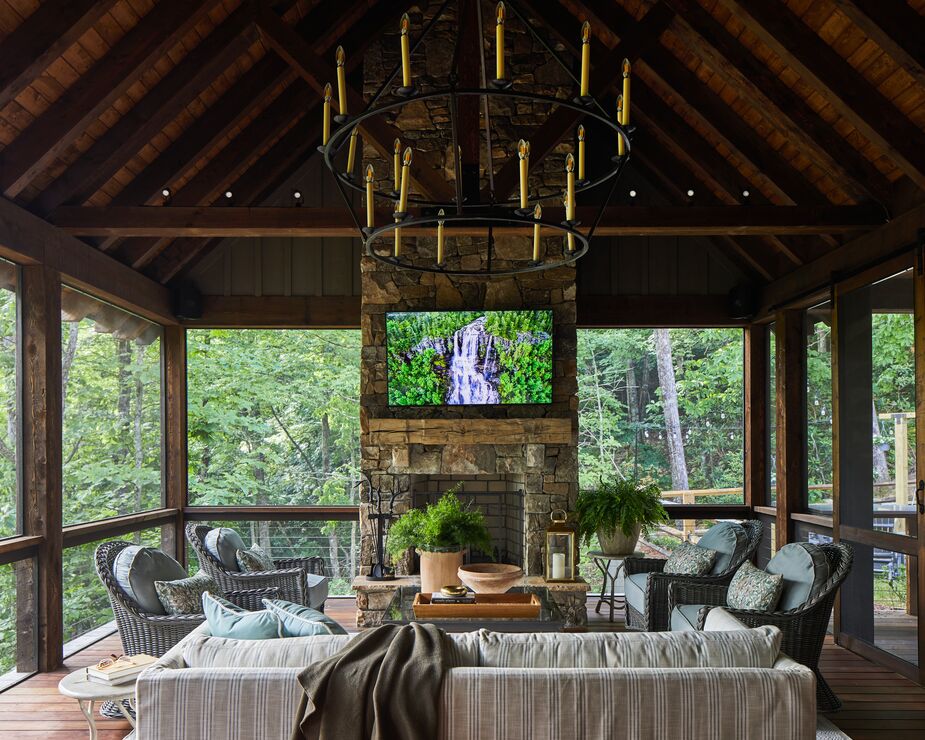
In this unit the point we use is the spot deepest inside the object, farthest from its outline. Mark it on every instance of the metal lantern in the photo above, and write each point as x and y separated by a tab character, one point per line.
561	549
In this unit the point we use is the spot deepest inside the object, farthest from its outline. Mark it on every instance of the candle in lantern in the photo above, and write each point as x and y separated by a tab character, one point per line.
585	57
370	199
396	163
352	151
326	124
558	566
626	92
340	58
440	237
581	153
499	43
523	152
621	146
537	215
405	52
405	181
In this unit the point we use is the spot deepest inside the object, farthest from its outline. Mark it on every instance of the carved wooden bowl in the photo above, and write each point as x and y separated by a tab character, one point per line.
490	578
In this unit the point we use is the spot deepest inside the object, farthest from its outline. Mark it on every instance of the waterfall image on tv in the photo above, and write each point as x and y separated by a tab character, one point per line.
459	358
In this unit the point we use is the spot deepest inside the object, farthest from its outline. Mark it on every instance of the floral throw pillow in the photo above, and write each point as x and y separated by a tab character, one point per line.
752	588
254	560
184	596
689	560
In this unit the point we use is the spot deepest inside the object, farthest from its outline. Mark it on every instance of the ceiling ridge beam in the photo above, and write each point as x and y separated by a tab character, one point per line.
83	102
161	105
43	37
850	94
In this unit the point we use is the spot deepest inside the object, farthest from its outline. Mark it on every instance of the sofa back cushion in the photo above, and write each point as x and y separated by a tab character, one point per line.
135	570
748	648
726	538
223	543
805	569
229	620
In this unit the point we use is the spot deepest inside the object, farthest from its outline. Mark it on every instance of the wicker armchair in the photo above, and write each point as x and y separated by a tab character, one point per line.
654	617
803	628
290	576
155	634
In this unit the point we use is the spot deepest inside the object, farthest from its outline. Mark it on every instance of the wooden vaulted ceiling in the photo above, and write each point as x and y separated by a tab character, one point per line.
810	103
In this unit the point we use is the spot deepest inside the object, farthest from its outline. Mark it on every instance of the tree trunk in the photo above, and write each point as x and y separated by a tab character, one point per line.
632	394
669	389
601	452
881	468
124	501
333	545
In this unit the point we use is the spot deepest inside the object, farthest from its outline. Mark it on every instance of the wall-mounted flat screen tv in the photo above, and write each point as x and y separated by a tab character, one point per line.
462	358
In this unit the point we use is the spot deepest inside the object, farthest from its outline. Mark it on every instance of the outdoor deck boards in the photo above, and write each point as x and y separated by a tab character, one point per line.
877	702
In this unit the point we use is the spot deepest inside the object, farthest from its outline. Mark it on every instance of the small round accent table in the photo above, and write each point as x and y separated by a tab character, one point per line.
610	567
87	693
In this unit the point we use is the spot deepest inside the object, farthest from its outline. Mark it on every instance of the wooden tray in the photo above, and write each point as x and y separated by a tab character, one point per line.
486	606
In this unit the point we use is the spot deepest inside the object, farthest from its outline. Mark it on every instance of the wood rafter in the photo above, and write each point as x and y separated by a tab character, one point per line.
42	38
852	97
692	220
84	102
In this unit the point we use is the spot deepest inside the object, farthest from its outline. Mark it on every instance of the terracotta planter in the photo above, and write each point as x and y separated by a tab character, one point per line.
438	569
490	578
614	542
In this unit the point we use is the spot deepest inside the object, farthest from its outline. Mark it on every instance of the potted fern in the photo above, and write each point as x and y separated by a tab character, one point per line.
440	533
617	511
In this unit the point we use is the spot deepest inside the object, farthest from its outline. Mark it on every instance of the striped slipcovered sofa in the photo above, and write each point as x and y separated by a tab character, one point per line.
725	682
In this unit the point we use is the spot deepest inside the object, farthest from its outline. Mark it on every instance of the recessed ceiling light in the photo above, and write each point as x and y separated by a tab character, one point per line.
229	194
297	194
632	193
690	193
745	193
166	192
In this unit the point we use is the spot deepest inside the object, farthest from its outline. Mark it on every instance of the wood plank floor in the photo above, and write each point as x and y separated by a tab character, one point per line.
878	704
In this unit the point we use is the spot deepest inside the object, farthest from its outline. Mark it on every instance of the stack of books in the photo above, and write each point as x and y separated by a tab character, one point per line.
121	671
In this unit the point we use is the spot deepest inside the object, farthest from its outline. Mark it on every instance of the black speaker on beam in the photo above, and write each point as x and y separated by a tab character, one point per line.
187	301
742	302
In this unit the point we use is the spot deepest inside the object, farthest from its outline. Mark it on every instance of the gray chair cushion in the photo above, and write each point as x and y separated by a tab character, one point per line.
316	589
725	538
223	544
135	570
805	570
684	617
635	588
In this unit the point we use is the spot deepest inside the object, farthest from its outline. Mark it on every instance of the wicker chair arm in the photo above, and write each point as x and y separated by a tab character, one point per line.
252	599
755	618
314	565
692	592
643	565
170	620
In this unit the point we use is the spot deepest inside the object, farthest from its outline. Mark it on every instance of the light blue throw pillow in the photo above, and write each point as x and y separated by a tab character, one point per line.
228	620
302	621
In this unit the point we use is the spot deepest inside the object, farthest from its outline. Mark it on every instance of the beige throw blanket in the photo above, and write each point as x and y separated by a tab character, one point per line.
383	685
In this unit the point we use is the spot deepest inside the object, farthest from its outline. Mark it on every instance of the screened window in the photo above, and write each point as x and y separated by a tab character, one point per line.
9	411
272	416
111	391
819	406
664	405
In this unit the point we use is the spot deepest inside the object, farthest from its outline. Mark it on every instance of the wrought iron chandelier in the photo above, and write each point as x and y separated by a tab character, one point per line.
467	213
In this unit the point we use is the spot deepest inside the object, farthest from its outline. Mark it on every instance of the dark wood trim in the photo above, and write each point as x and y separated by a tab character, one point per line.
708	511
270	312
175	434
623	311
40	461
919	324
19	548
271	513
791	403
26	239
874	538
819	520
184	219
81	534
879	656
757	377
770	511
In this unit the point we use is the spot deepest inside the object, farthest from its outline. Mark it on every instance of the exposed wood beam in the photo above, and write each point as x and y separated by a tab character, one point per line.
637	43
225	221
196	71
604	311
755	82
867	250
27	239
852	97
69	116
43	37
285	41
895	27
265	312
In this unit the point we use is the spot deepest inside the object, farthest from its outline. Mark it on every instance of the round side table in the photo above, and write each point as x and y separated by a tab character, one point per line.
87	693
610	567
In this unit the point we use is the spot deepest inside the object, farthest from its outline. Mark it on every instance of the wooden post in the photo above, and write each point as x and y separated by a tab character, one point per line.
757	481
41	454
175	449
791	404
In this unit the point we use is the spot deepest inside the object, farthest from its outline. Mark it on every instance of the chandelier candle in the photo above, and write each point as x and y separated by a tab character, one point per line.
326	121
396	163
352	152
523	152
405	181
537	215
405	52
370	198
499	43
340	58
570	196
585	58
621	147
440	214
626	92
581	153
